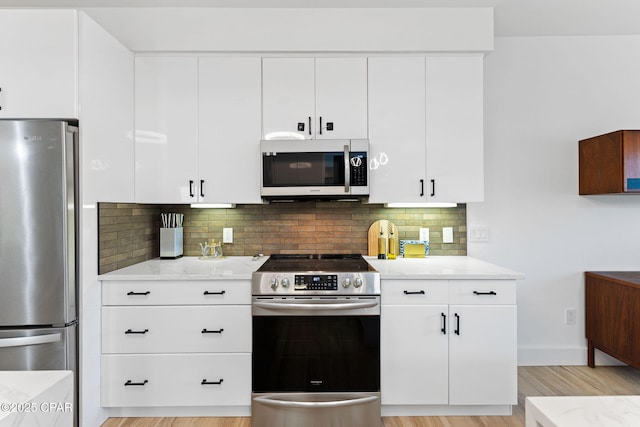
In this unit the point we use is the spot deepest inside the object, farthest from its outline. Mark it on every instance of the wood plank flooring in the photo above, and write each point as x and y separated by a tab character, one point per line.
532	381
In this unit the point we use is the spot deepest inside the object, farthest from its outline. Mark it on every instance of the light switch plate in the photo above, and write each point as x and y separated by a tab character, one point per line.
478	234
227	235
447	234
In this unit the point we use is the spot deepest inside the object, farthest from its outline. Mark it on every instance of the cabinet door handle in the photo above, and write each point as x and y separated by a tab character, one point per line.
414	292
214	293
206	331
138	293
484	293
0	98
309	125
205	382
421	187
131	331
320	125
190	188
457	330
129	382
444	324
433	187
202	188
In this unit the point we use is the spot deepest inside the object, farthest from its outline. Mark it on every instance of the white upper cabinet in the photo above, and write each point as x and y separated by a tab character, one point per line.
314	98
229	130
166	129
38	63
426	129
454	112
397	129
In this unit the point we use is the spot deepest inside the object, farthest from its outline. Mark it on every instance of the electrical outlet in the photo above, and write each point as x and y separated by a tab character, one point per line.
424	234
227	235
570	316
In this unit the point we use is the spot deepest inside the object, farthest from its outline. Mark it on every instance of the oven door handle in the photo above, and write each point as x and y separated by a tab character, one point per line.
266	400
316	306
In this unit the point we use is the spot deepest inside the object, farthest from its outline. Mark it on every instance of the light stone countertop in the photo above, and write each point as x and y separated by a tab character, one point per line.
440	267
241	267
582	411
36	398
189	268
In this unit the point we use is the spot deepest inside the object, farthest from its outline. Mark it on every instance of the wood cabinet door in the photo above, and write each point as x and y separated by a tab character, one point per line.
166	129
413	355
483	355
229	130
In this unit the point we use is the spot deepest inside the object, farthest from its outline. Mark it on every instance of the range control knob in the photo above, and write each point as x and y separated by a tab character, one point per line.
285	282
274	283
358	282
346	282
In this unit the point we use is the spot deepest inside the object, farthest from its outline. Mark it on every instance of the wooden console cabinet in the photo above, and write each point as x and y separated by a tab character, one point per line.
612	307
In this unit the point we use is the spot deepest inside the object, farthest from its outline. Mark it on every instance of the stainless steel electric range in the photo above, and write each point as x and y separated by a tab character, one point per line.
316	342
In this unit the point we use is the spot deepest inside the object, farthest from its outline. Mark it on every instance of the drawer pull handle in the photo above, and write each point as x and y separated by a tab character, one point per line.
206	331
138	293
205	382
130	331
129	382
214	293
484	293
414	292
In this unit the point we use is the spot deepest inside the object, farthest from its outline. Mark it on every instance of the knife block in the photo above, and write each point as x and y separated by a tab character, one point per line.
171	242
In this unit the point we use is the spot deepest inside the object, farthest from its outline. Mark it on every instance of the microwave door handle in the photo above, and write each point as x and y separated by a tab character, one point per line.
347	170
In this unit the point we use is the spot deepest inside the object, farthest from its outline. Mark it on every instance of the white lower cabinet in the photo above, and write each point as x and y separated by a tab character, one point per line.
176	344
176	380
456	348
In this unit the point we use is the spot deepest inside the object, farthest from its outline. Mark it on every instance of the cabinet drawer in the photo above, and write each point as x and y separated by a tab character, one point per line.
414	292
167	329
482	292
144	292
176	380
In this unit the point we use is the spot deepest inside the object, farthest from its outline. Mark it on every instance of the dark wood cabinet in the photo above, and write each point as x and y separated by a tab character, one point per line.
610	163
612	307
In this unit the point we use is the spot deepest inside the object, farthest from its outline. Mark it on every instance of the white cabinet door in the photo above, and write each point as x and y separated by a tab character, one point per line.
38	63
454	130
288	99
303	98
397	129
483	355
166	135
341	98
413	355
229	130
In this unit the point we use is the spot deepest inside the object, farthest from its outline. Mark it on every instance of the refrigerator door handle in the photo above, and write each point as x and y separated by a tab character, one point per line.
33	340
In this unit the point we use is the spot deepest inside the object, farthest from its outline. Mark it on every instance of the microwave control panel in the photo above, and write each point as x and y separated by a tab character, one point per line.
358	166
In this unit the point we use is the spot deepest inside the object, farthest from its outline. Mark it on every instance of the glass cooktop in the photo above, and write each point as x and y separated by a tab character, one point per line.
338	263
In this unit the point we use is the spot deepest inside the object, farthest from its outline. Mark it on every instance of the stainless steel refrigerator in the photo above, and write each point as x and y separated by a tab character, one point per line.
38	241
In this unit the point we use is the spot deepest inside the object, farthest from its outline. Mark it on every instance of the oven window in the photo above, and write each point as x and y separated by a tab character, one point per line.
316	353
303	169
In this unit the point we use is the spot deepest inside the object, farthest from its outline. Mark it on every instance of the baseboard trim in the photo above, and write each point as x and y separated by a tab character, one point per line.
566	356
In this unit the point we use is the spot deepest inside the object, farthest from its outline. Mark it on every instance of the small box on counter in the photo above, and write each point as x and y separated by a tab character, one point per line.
414	248
171	242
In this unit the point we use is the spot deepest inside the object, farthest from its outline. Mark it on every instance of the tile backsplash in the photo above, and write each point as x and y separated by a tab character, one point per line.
129	233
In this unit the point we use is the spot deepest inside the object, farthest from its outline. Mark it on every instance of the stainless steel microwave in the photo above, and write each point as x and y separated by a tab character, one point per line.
299	169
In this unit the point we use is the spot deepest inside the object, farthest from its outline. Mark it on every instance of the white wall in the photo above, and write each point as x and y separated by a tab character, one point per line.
542	95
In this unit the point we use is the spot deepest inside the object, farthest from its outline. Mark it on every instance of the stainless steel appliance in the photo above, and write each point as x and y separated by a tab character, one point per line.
315	169
316	342
38	240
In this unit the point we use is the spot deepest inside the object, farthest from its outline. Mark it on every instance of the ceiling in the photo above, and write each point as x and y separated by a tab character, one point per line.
512	17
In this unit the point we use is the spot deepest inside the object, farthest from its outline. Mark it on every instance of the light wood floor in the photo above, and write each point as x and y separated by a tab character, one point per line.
532	381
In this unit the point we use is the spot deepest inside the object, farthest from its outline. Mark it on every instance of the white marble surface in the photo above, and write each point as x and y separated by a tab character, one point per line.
241	267
583	411
189	268
440	267
36	398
